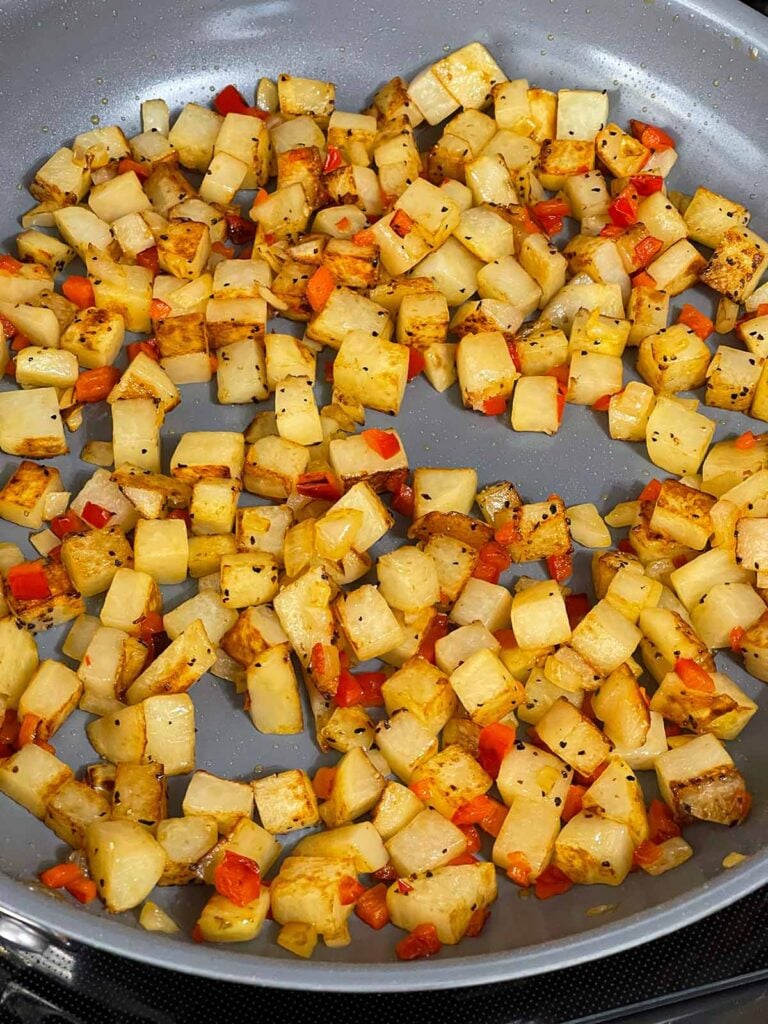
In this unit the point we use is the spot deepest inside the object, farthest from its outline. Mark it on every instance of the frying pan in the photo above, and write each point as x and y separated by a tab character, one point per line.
699	68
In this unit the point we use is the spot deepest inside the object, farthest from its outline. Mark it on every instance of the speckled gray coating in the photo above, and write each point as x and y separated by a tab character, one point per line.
699	68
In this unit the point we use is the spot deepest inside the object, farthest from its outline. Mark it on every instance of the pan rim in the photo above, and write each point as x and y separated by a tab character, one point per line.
712	895
221	965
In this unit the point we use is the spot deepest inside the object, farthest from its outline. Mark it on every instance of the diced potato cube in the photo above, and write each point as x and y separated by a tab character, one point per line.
594	850
539	617
428	841
177	668
32	776
227	802
699	780
445	898
125	860
576	739
357	787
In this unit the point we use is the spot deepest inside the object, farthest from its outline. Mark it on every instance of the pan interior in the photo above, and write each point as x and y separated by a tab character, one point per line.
698	72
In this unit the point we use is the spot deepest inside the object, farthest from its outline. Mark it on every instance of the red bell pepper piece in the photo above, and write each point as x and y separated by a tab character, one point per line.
651	136
506	637
693	676
588	780
573	801
551	882
477	922
159	309
420	943
149	624
239	230
9	729
651	491
9	264
416	362
322	783
67	522
149	259
401	223
348	691
127	165
78	290
402	502
350	890
560	567
560	373
371	683
83	889
484	811
28	730
386	874
492	561
647	249
319	287
698	322
576	607
382	442
493	744
746	441
623	210
322	485
230	101
237	878
371	907
95	385
96	515
642	279
438	628
647	853
508	533
333	160
661	824
8	328
28	582
403	886
148	347
612	231
625	546
603	403
519	869
646	184
494	406
60	875
472	836
736	638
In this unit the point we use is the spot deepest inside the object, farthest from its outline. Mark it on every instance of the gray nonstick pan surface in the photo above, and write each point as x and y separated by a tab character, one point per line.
698	68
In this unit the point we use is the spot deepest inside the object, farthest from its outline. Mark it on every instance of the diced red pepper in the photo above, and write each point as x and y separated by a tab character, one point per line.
149	348
661	824
625	546
237	878
230	101
350	890
403	886
401	223
386	874
159	309
551	882
519	869
420	943
561	373
371	907
96	515
127	166
493	744
365	237
416	362
149	624
83	889
737	638
348	692
239	230
515	355
494	406
698	322
506	637
573	801
483	810
78	290
477	922
394	480
642	279
438	628
95	385
560	567
422	789
651	491
603	403
322	782
67	522
382	442
647	853
9	330
672	729
197	934
646	184
371	684
221	249
508	533
60	875
10	264
746	441
612	231
343	223
647	249
651	136
149	259
28	730
492	561
333	160
322	485
472	836
694	677
403	501
319	287
463	858
576	607
9	729
28	582
623	210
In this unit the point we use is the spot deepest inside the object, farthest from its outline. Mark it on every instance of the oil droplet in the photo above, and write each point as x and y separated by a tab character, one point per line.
550	36
104	101
45	129
95	118
753	53
716	82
